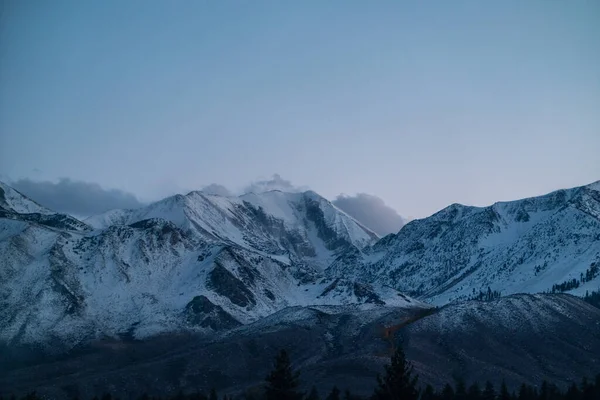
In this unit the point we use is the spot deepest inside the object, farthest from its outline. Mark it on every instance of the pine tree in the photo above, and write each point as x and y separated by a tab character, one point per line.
504	394
474	392
527	392
334	394
179	395
398	382
447	392
544	391
313	395
282	382
213	394
587	390
488	393
428	393
573	393
461	390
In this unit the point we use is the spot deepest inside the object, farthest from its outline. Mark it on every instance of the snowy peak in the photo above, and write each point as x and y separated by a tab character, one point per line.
14	205
197	261
304	226
538	244
14	201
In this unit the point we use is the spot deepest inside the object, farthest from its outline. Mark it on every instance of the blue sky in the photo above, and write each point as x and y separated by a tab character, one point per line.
422	103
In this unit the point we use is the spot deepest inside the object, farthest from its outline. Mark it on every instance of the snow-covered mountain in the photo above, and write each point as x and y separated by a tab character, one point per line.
293	226
198	262
462	252
211	263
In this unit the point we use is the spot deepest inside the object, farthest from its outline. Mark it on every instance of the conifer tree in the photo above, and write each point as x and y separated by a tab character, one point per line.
488	393
504	394
313	394
179	395
573	393
447	392
460	392
428	393
587	390
213	394
544	391
474	392
334	394
398	382
282	382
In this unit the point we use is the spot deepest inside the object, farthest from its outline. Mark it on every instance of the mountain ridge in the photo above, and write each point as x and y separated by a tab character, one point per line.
198	261
435	258
210	263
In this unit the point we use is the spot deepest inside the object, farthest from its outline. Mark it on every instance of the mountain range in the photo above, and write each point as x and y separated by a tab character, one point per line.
127	288
207	263
199	262
462	252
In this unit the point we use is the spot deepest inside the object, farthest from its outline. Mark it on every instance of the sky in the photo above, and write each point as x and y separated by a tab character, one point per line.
418	104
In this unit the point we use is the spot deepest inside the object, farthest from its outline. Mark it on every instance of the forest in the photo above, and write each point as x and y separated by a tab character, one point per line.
398	382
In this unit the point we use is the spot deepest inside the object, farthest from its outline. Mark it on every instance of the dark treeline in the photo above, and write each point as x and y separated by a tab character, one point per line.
593	298
485	296
399	382
587	276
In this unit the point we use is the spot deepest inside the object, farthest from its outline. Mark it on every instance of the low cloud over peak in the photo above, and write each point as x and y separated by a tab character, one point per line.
371	211
218	190
75	197
83	199
275	183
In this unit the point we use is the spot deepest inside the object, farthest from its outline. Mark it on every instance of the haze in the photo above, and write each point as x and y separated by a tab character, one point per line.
421	104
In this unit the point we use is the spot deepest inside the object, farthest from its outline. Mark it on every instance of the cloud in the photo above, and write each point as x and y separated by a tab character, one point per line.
371	211
275	183
75	197
216	189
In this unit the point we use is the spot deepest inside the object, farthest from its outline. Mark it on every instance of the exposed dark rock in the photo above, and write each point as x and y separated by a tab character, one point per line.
202	312
227	285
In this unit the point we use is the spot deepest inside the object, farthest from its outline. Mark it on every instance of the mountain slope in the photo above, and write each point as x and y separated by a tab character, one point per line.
12	200
521	338
199	262
520	246
295	226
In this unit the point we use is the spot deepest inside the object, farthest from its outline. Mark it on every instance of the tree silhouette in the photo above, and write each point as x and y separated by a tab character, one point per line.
429	393
447	392
504	394
282	382
334	394
488	393
474	392
313	395
398	382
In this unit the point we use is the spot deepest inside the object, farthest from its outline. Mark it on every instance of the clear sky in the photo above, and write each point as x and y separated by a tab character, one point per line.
422	103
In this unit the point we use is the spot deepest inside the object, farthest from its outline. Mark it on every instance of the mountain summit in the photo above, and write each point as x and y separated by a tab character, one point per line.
199	261
209	263
538	244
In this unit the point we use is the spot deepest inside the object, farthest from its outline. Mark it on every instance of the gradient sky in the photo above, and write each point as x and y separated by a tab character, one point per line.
423	103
